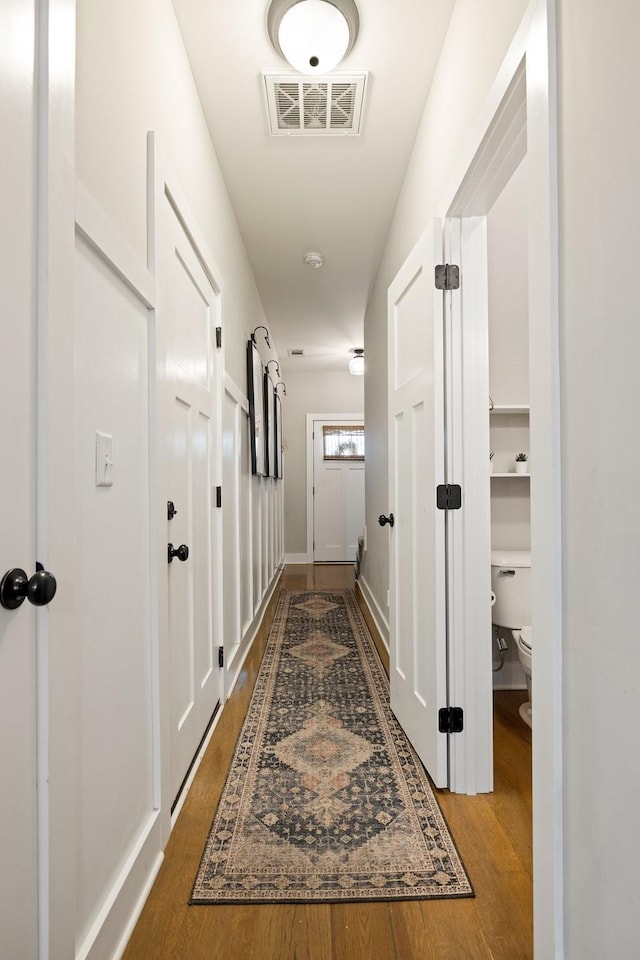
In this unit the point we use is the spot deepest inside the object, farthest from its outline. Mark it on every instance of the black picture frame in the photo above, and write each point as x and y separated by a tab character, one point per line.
255	395
277	404
269	425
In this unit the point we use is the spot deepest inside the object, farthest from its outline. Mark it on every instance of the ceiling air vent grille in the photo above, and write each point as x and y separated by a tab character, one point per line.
326	106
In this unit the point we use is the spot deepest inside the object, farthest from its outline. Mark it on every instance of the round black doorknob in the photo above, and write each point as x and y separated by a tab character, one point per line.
181	552
41	588
382	520
16	587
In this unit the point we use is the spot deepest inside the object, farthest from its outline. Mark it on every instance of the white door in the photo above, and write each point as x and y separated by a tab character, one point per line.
338	489
187	323
18	819
417	601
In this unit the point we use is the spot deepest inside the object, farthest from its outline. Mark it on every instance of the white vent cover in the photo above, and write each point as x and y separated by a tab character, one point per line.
296	352
318	106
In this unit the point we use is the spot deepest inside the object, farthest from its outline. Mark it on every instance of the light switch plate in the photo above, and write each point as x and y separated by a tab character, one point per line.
104	460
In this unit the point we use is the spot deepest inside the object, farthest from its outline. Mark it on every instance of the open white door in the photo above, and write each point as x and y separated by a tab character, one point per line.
338	489
38	642
417	600
18	813
187	323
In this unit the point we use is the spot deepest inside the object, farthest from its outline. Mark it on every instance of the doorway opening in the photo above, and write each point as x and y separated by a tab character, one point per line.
335	486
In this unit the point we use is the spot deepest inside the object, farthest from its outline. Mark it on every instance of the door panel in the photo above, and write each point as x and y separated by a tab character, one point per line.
18	851
416	465
187	324
338	501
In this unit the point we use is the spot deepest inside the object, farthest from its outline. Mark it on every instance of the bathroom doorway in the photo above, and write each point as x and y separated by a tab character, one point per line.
509	417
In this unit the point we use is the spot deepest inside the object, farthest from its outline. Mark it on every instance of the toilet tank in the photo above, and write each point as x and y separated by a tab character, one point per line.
511	583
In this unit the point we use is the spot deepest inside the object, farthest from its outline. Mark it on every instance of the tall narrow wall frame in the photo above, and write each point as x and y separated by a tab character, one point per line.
277	402
255	394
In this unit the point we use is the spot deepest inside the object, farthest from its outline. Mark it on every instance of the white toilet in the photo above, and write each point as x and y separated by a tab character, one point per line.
511	583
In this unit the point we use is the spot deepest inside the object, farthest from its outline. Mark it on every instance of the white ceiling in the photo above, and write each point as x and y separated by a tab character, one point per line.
292	195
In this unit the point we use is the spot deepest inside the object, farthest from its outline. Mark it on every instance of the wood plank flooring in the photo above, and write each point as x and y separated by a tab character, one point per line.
492	833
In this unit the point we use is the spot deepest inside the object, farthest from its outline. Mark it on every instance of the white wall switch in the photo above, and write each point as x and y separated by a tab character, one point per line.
104	460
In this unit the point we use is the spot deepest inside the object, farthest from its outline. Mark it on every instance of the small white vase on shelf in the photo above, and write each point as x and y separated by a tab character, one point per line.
522	466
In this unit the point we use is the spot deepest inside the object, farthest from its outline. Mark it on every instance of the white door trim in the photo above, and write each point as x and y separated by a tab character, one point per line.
511	114
327	418
58	631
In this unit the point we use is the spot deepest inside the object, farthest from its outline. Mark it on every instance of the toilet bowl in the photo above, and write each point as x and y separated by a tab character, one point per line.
511	584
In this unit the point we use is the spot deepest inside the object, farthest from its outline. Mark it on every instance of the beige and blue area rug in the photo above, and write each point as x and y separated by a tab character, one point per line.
325	800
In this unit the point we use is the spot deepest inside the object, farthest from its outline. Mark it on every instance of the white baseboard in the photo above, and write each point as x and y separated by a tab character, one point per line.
296	558
251	634
381	622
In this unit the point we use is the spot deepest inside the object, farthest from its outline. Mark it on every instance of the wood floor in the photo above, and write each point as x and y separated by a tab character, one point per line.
492	833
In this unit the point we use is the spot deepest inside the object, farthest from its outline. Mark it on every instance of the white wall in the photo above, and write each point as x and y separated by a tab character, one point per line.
133	77
508	278
599	148
309	392
462	80
113	592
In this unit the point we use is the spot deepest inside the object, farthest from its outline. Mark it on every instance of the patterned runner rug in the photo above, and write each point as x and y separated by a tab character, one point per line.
325	800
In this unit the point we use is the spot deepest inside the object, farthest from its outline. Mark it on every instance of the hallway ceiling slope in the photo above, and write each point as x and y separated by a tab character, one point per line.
335	195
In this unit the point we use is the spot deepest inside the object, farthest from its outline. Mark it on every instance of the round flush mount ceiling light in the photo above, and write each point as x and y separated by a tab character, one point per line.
356	364
313	35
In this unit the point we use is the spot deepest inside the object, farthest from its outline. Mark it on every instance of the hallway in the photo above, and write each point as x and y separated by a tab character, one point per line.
492	832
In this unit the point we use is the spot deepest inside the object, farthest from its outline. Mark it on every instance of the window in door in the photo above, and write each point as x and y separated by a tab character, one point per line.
343	442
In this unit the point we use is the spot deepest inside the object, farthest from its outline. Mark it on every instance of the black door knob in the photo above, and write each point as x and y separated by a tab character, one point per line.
382	520
16	587
181	552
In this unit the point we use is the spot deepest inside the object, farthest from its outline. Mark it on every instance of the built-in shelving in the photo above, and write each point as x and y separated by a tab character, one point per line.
509	476
500	408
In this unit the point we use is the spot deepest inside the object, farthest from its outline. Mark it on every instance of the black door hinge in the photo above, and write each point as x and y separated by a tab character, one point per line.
218	337
450	720
218	496
449	496
447	276
221	656
171	510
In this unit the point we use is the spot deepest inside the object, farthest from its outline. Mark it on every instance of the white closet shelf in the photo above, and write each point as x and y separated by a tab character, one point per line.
500	408
511	476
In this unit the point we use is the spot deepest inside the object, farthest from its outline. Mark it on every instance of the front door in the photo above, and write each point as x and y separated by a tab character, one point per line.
187	324
417	600
338	489
18	814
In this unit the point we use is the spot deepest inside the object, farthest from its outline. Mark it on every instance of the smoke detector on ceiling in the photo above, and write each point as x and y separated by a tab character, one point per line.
321	106
314	260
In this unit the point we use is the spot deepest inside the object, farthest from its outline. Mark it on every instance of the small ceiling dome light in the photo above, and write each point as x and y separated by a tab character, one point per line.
356	364
314	260
313	35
